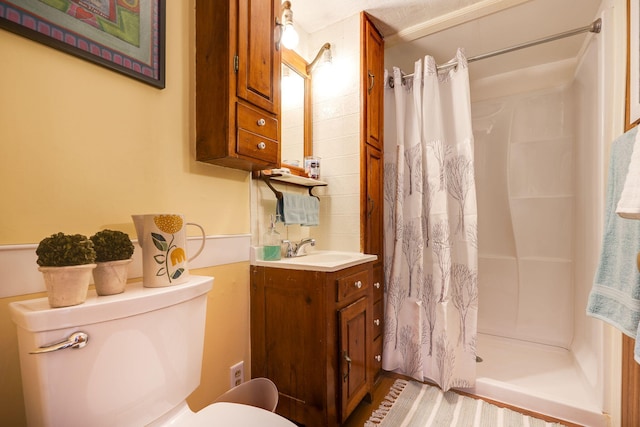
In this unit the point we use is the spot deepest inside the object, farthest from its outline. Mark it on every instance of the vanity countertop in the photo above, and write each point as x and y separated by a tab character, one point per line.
327	261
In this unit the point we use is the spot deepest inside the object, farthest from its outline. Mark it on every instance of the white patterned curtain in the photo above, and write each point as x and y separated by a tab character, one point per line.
431	265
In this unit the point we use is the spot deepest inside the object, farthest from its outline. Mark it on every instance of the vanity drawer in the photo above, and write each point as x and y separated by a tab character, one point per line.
352	284
257	122
257	146
377	318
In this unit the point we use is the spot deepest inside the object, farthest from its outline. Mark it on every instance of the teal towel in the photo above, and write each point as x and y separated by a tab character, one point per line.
294	209
615	296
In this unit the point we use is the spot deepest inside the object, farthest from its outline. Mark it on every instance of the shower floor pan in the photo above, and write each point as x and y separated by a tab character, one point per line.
537	377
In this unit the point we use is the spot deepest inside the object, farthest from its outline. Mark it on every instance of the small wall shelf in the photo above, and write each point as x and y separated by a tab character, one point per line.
286	178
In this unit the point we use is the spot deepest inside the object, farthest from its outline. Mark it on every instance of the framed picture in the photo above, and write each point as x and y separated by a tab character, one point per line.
633	64
127	36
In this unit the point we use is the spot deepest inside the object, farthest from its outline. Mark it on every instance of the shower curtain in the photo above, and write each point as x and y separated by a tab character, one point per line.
431	246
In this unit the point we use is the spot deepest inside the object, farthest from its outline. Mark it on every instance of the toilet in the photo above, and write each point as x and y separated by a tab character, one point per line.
122	360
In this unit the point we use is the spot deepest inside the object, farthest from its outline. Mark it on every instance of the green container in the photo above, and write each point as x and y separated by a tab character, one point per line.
271	243
271	253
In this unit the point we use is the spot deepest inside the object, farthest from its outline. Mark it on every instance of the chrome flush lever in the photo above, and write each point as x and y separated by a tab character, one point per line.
75	340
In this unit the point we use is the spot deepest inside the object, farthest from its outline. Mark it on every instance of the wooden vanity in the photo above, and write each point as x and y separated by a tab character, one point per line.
312	334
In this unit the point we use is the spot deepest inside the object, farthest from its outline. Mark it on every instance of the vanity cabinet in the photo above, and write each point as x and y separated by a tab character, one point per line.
237	84
372	171
311	334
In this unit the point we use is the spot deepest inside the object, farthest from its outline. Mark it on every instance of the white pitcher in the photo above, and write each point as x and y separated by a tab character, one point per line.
163	240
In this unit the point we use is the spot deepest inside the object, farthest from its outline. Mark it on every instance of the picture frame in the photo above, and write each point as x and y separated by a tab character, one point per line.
633	64
125	36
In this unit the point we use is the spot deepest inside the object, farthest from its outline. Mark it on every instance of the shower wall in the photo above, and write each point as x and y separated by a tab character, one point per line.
592	117
525	191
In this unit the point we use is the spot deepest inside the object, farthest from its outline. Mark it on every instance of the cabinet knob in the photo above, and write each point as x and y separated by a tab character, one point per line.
358	284
378	358
262	146
262	122
376	285
376	322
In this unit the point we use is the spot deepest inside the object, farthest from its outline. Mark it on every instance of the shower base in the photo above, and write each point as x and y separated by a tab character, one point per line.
537	377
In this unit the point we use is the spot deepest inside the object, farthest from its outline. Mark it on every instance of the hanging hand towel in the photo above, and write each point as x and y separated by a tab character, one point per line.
629	204
615	296
294	209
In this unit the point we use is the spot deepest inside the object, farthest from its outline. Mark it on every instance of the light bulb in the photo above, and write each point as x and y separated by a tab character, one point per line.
290	37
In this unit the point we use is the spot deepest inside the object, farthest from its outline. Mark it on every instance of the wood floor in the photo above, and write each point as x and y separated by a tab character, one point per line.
361	414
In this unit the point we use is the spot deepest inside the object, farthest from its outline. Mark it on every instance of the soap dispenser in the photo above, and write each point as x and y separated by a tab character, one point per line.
271	243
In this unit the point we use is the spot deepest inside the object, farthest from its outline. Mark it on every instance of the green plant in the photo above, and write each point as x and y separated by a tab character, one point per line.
59	250
112	245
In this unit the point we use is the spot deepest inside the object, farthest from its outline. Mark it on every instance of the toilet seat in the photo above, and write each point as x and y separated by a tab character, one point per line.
221	414
225	414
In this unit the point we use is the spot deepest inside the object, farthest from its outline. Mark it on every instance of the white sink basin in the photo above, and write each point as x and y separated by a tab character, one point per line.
319	261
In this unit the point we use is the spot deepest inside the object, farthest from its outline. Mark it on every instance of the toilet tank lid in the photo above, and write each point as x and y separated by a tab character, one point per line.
36	315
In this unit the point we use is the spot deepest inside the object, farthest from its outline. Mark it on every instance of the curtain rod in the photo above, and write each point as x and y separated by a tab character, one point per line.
594	27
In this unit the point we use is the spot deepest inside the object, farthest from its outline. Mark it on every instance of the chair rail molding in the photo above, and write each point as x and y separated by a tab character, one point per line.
20	275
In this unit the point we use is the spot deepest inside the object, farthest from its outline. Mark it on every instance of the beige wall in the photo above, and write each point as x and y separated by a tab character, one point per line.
82	148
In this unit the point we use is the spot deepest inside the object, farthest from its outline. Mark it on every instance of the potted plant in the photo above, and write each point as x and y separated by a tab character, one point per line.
113	255
66	262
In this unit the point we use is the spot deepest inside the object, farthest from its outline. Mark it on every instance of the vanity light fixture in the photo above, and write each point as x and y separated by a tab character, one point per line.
288	35
323	57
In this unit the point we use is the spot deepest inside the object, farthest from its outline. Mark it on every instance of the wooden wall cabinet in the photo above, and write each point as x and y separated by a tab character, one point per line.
237	84
311	334
372	169
373	79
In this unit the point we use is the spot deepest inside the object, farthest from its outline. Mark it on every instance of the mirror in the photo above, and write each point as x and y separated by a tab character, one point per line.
296	127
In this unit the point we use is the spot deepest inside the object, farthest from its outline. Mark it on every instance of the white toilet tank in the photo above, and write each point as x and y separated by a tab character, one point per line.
143	355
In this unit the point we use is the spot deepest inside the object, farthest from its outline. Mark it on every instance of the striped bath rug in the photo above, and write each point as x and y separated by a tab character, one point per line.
410	403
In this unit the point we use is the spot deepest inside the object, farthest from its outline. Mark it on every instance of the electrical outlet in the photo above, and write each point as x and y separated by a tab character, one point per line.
236	374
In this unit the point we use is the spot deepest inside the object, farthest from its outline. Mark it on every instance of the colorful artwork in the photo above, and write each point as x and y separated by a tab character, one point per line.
125	35
169	224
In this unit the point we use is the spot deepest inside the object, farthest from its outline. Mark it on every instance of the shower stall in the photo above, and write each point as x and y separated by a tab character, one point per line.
540	159
536	154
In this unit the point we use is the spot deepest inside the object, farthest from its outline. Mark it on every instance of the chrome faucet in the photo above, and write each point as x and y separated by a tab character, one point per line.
296	249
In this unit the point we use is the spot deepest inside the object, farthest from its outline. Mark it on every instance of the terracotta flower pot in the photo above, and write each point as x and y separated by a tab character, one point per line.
67	286
110	277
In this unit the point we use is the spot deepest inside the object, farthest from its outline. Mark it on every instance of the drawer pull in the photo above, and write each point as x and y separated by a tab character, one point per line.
376	322
376	285
358	284
262	146
262	122
378	358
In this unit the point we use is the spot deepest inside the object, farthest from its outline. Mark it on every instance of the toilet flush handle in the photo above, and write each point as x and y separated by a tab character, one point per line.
75	340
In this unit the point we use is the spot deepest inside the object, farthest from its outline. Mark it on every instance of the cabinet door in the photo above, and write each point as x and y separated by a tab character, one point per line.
258	60
372	212
374	54
354	353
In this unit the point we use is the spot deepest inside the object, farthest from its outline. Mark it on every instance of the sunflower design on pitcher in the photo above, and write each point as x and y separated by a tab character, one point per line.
169	224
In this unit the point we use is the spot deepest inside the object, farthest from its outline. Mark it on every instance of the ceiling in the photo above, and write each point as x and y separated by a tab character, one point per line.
414	28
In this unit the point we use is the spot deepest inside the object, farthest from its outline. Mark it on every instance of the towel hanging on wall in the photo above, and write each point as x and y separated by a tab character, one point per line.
295	209
615	296
629	204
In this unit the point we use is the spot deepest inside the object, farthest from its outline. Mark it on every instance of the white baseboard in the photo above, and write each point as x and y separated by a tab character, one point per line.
19	273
